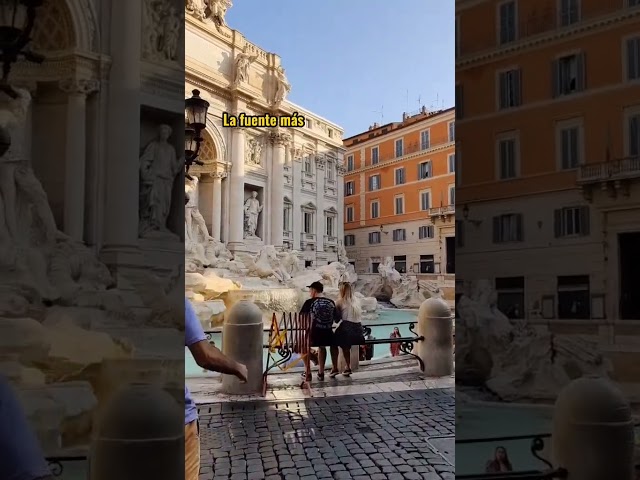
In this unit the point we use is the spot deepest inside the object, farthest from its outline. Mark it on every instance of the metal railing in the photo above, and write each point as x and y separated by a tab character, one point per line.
56	464
444	210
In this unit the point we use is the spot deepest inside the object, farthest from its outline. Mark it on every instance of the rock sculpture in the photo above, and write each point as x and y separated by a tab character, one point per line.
283	87
252	210
253	152
196	228
161	30
515	360
243	61
159	167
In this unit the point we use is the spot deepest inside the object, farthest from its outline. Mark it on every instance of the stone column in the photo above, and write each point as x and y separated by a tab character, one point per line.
123	135
236	194
435	324
340	187
280	142
296	213
321	224
75	153
216	217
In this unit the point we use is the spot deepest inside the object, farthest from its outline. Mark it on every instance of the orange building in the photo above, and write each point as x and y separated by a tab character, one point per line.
548	136
399	194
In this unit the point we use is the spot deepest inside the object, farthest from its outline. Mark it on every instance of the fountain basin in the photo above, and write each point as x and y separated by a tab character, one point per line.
268	300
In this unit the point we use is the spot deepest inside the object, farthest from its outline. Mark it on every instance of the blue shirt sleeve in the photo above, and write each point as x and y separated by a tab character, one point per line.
22	458
193	331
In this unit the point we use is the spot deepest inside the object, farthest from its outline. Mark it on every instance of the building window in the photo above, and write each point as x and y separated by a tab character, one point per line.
400	263
570	147
426	231
399	204
452	131
375	263
349	213
508	22
571	221
375	157
573	297
509	88
399	235
399	147
633	58
459	233
633	3
374	237
375	209
452	195
507	228
349	188
425	141
569	75
634	135
308	224
374	182
330	171
330	132
507	158
400	176
424	170
350	163
510	293
307	165
451	159
287	217
569	12
349	240
330	221
425	200
427	264
459	101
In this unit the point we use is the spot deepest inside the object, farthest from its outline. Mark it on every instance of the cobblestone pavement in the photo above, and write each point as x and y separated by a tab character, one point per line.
362	437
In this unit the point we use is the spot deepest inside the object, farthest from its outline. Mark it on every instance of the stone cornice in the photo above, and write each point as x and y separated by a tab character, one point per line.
404	158
581	29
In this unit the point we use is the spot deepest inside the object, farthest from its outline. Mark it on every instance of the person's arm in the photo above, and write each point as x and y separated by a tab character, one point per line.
211	358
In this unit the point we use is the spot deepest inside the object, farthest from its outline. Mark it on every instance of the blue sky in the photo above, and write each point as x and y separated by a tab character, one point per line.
348	60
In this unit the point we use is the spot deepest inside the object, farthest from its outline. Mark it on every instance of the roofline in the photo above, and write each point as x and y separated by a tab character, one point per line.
439	112
315	115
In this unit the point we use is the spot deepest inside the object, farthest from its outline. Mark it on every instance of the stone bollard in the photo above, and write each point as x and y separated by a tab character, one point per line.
242	339
139	436
436	326
355	359
593	434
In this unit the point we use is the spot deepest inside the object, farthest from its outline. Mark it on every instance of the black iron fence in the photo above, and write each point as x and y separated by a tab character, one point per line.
57	464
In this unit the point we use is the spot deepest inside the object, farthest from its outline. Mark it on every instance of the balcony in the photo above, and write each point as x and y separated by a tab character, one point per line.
443	213
329	240
622	169
307	239
287	235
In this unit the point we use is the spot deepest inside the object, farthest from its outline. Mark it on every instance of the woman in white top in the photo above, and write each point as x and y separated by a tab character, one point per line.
349	331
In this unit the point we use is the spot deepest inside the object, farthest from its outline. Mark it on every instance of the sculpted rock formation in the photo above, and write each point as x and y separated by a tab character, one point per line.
513	359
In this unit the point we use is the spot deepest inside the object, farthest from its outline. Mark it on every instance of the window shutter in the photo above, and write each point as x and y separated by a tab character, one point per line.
634	136
631	57
502	87
430	174
427	200
555	78
581	81
574	147
519	232
517	89
585	221
496	230
557	223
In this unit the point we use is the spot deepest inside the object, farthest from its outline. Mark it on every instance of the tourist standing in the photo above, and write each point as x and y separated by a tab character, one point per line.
210	358
395	347
349	331
500	462
21	455
323	315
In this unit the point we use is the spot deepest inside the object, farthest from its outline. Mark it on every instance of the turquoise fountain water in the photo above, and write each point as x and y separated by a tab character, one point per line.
380	351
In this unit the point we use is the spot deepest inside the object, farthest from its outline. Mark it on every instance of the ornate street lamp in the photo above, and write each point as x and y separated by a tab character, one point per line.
17	18
195	113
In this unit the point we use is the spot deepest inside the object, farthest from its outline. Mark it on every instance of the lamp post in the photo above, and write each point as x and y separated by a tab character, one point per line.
17	18
195	113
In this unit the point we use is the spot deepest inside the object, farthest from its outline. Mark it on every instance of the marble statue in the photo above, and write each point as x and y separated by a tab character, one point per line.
198	8
218	9
252	210
159	167
253	152
171	24
161	30
283	87
196	227
151	20
243	61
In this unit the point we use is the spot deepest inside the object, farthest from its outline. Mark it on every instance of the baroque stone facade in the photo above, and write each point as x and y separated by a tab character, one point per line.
260	186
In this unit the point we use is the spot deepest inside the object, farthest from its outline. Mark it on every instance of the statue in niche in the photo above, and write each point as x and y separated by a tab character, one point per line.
198	233
252	210
243	61
254	152
283	87
159	167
